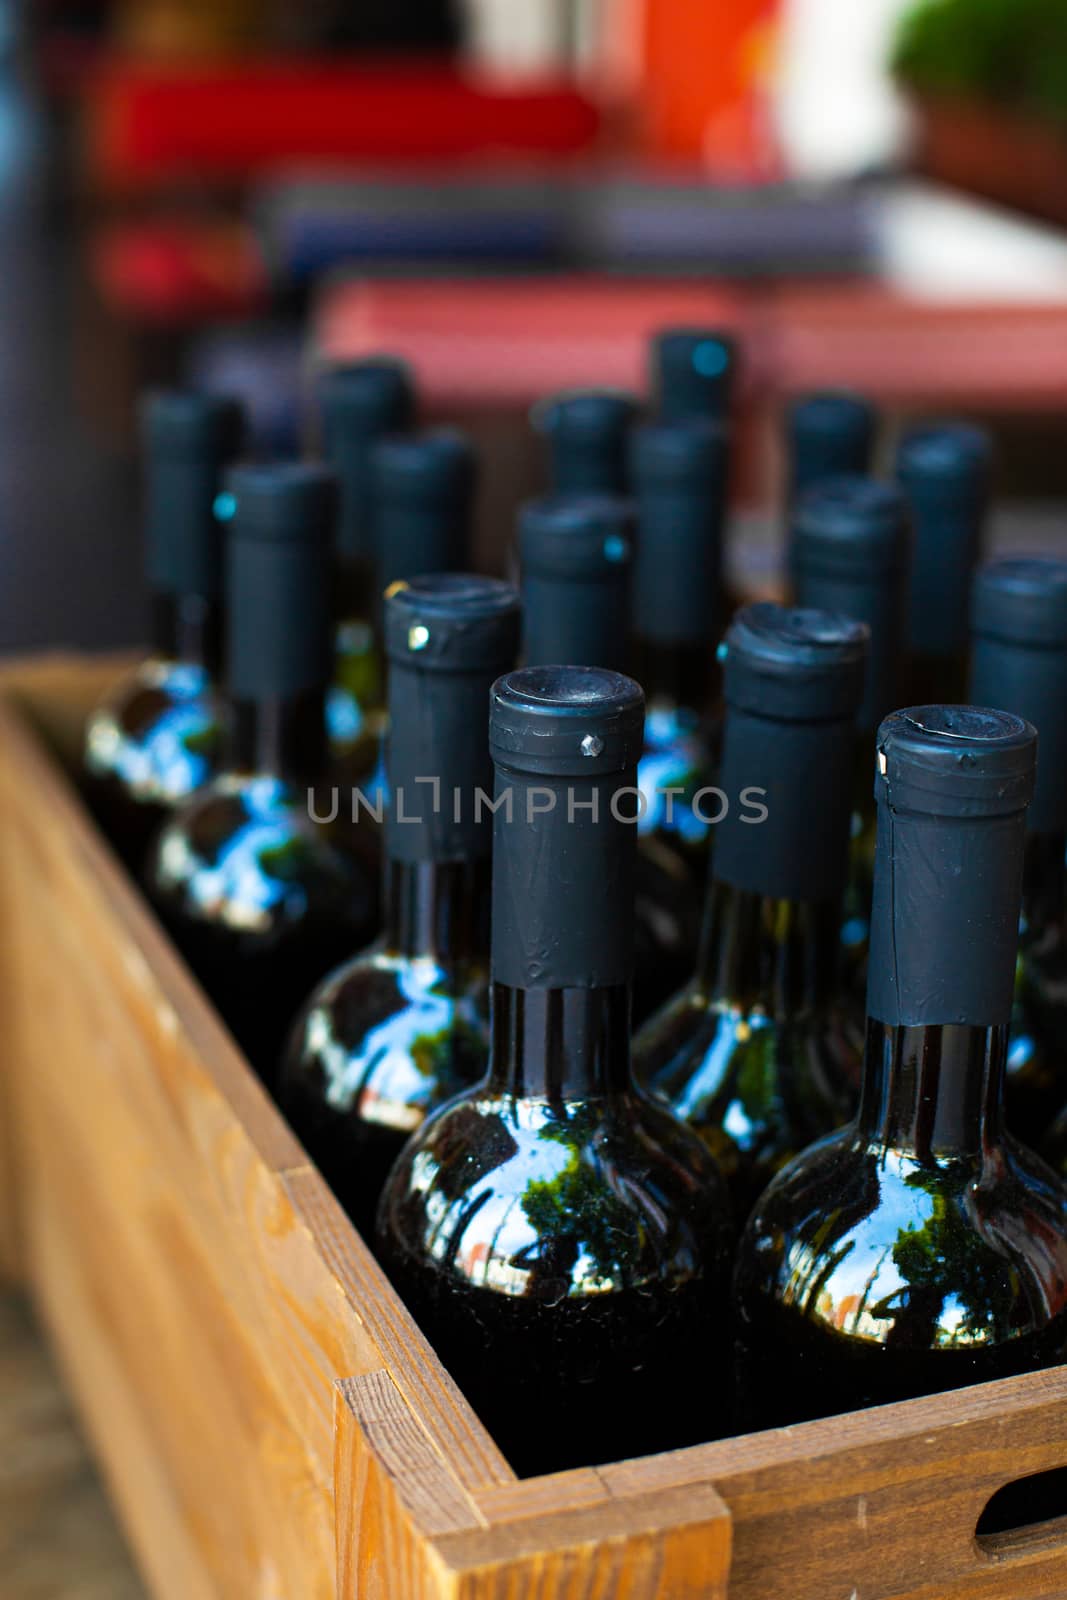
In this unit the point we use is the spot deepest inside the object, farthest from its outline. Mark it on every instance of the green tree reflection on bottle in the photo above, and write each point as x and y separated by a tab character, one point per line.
553	1214
401	1027
921	1247
757	1052
1019	661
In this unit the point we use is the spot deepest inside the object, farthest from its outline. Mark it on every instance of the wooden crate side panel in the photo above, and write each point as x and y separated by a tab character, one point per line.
669	1545
391	1490
883	1504
146	1275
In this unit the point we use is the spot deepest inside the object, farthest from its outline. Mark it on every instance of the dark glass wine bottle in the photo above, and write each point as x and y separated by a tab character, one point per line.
423	486
575	556
921	1247
587	432
359	403
679	473
757	1053
259	876
157	736
392	1034
1019	661
561	1238
694	374
829	434
576	563
944	471
851	553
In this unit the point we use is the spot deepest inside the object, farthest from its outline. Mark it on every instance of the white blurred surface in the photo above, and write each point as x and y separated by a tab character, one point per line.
837	110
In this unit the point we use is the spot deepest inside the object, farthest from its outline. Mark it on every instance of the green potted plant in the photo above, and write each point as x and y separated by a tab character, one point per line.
988	79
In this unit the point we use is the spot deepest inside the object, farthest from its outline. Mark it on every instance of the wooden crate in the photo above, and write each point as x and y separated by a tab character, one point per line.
272	1424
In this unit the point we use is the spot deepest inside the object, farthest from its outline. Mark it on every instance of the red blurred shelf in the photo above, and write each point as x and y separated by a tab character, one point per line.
178	273
225	122
510	342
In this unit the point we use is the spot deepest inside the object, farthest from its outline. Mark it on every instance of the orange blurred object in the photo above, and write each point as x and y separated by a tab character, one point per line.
706	67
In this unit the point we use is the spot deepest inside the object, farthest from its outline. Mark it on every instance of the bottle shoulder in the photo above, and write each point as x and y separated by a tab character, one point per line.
587	1196
385	1039
720	1065
245	850
879	1245
159	733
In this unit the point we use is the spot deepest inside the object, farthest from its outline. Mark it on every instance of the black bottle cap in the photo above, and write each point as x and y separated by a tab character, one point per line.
366	398
795	665
693	373
1019	661
184	425
1022	600
288	500
566	721
955	761
448	637
945	461
281	522
688	455
452	622
431	468
793	681
680	474
188	439
852	524
587	432
575	536
830	433
952	785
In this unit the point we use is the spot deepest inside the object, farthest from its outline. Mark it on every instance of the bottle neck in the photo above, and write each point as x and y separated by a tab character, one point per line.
438	909
560	1044
776	956
934	1090
187	628
675	674
1044	883
282	737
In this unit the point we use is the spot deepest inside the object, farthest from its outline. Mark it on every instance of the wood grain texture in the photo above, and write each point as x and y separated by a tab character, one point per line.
883	1504
197	1320
404	1530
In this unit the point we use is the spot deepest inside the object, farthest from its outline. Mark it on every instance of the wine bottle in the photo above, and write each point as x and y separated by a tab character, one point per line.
423	487
359	403
694	374
851	553
587	432
575	556
259	876
396	1031
575	561
679	474
157	736
757	1053
554	1215
829	434
1019	661
921	1247
944	471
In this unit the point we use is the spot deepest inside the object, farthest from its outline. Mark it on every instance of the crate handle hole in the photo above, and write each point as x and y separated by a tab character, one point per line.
1020	1512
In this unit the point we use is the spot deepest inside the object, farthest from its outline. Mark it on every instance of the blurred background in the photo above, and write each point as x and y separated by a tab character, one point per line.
513	194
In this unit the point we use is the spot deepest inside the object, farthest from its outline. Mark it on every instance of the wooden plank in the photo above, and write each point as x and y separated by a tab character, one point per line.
201	1286
883	1504
423	1383
404	1531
